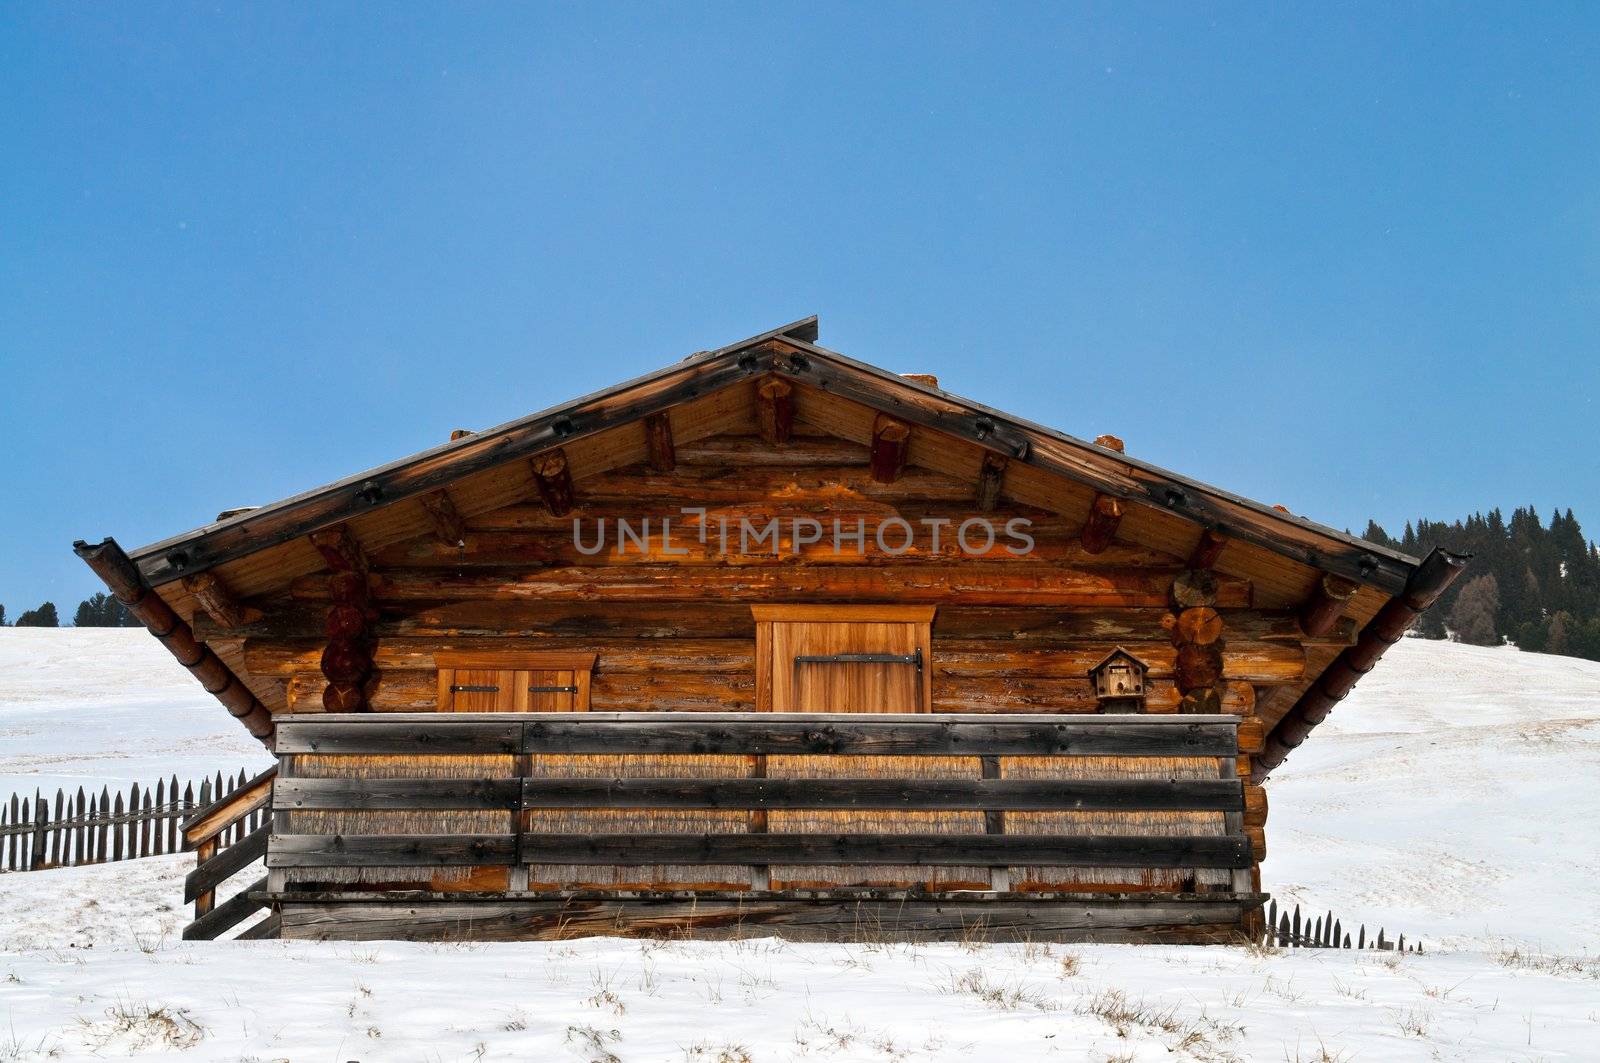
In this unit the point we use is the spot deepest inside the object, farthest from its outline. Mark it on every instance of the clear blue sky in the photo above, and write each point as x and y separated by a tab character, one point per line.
1342	258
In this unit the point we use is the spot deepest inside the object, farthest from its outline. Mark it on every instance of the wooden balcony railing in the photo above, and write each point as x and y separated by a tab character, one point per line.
361	793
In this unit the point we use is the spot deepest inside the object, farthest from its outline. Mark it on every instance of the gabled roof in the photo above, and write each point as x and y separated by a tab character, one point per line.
786	351
1392	579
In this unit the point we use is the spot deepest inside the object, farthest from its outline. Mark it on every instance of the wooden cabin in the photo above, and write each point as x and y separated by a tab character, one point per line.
769	641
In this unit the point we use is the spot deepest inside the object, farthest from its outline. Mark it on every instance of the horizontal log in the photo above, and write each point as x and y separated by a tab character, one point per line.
309	734
1219	795
748	451
369	792
914	918
974	583
227	915
609	541
227	863
667	690
760	734
206	823
391	850
655	620
953	659
919	850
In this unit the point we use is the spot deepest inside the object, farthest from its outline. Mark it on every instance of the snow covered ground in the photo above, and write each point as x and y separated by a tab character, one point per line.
1455	796
107	706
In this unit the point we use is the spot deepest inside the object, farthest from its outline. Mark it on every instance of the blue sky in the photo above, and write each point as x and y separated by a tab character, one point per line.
1342	257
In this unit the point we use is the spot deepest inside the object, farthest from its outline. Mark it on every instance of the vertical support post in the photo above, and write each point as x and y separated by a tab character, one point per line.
994	822
204	903
760	874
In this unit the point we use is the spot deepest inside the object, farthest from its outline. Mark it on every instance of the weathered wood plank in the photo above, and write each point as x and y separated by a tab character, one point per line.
921	850
370	792
227	863
391	850
389	735
1199	920
882	736
973	583
757	793
227	915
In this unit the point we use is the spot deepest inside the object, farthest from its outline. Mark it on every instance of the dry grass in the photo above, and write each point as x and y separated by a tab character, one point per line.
1201	1039
1001	995
138	1025
1562	966
593	1041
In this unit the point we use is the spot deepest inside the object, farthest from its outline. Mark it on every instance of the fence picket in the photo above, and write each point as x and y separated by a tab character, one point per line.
70	830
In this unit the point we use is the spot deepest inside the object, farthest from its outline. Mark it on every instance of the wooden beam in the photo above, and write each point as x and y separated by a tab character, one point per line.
1208	550
916	849
775	410
1431	579
1201	626
1195	588
891	442
227	863
997	583
553	477
658	442
1101	528
833	916
1222	795
219	601
403	850
752	733
991	477
127	585
448	527
340	549
1326	604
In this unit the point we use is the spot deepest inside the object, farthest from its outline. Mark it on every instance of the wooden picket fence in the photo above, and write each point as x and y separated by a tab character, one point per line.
1325	932
85	828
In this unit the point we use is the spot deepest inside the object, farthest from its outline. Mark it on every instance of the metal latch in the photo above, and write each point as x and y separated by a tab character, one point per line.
552	690
464	689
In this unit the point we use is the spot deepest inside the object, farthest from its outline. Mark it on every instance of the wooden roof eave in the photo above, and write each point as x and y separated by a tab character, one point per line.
1323	548
787	351
208	546
1432	577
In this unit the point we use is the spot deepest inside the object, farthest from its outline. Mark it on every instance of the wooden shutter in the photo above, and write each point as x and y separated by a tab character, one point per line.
514	682
822	658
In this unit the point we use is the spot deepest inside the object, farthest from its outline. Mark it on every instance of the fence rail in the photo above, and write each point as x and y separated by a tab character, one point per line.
70	830
1325	932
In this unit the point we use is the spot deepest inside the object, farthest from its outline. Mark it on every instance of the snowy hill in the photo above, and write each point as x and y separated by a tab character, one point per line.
1452	797
107	706
1455	794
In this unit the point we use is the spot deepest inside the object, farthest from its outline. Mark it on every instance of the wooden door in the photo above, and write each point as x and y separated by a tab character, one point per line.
517	682
843	658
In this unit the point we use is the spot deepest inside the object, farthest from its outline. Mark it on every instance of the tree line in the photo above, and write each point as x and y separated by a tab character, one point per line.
1531	583
97	610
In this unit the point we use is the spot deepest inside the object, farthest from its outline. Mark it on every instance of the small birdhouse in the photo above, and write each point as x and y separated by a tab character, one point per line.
1119	682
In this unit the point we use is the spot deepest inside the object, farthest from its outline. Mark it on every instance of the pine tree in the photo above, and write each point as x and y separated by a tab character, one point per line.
2	616
1557	637
1473	616
44	616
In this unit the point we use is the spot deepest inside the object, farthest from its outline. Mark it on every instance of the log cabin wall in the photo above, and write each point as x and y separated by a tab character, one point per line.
675	631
